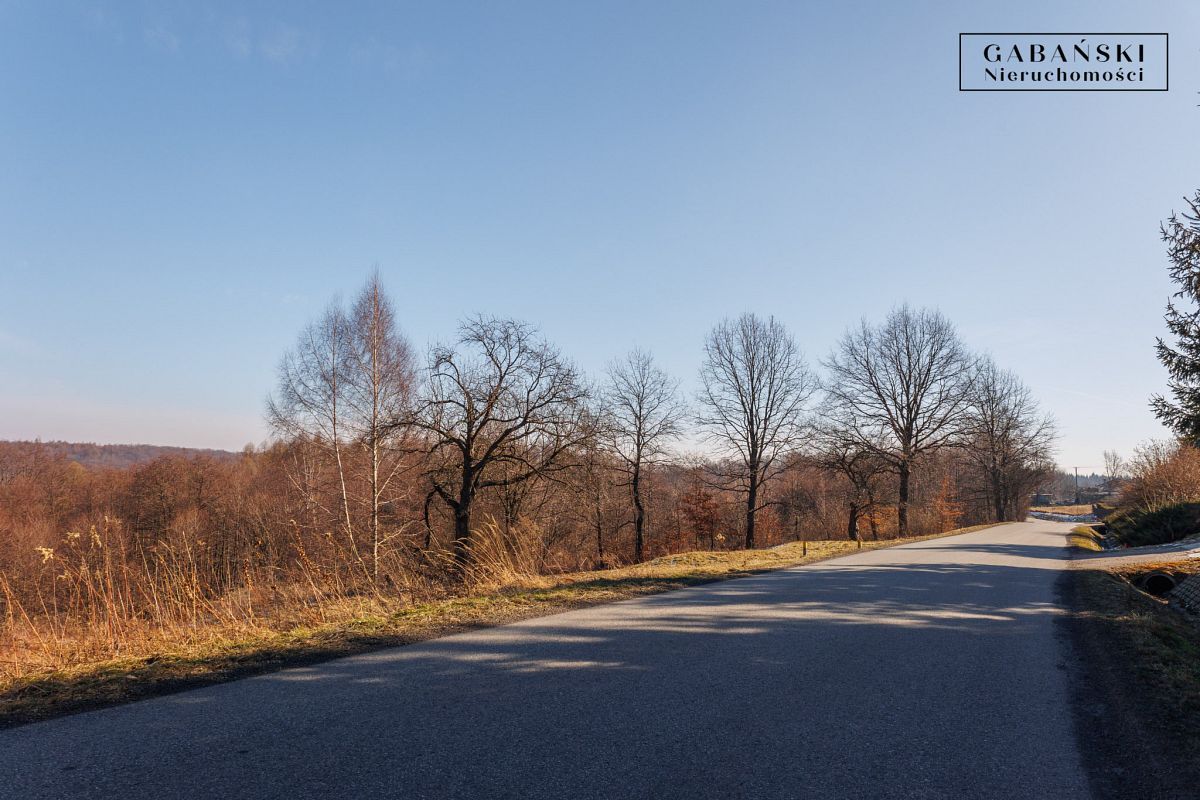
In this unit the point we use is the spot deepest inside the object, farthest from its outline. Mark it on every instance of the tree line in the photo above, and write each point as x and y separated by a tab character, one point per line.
499	413
405	473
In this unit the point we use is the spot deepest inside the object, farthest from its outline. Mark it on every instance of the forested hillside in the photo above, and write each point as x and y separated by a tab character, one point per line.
105	456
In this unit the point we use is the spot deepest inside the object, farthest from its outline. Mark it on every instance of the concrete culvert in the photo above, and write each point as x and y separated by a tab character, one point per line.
1158	583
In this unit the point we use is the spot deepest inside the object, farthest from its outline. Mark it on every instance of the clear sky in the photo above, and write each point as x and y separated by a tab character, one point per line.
184	185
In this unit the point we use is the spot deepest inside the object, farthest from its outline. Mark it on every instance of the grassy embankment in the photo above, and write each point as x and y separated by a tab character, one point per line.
159	667
1140	676
1136	527
1085	537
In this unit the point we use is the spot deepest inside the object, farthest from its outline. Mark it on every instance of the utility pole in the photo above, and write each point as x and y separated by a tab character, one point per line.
1077	486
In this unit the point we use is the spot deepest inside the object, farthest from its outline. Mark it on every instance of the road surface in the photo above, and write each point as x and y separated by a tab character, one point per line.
925	671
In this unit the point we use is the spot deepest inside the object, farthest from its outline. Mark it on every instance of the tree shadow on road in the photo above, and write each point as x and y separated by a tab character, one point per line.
749	687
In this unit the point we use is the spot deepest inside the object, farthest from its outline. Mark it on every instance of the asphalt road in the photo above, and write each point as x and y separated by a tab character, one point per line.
924	671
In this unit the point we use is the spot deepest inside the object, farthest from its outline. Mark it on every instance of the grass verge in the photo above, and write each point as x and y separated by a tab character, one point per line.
1085	537
225	655
1074	511
1137	683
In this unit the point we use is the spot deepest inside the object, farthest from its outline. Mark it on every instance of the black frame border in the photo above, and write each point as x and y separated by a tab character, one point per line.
1166	54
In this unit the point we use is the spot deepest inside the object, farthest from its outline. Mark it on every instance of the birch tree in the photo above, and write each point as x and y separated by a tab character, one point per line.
340	389
380	380
310	400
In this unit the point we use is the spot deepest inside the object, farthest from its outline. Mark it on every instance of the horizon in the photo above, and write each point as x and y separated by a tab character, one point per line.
188	188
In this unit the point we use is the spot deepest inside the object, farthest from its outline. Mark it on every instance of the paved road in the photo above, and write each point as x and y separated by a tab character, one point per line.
925	671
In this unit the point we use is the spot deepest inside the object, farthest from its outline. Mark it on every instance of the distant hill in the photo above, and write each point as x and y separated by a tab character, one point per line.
116	456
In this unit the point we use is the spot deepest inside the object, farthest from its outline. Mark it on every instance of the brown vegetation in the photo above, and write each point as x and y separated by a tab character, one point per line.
299	634
390	485
1160	499
1071	510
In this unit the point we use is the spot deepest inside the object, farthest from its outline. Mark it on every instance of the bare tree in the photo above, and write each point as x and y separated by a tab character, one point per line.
839	450
1114	465
1114	468
755	383
500	407
348	378
590	483
310	401
900	388
644	413
1006	438
381	377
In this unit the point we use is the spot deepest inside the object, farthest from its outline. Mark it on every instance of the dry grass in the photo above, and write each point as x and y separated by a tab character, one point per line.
1085	537
168	661
1139	682
1177	567
1074	511
1167	643
1161	646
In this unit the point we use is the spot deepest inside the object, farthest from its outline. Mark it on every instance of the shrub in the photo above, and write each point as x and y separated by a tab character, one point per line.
1136	527
1162	474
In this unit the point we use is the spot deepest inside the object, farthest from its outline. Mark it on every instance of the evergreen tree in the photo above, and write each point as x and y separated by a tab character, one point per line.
1181	233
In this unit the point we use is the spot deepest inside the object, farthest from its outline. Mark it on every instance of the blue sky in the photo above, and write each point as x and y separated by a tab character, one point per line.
184	185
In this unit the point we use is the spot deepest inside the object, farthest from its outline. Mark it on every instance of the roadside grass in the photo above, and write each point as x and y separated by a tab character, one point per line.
1074	511
1142	666
1085	537
161	665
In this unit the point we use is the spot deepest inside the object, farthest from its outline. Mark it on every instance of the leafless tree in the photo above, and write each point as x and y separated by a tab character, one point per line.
839	450
900	388
1114	465
501	406
1114	468
310	401
755	383
591	482
644	412
381	377
1006	438
348	378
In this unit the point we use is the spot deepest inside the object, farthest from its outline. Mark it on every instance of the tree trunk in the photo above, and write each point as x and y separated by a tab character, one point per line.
751	505
902	502
462	522
999	501
598	521
462	537
870	508
639	516
852	525
374	500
